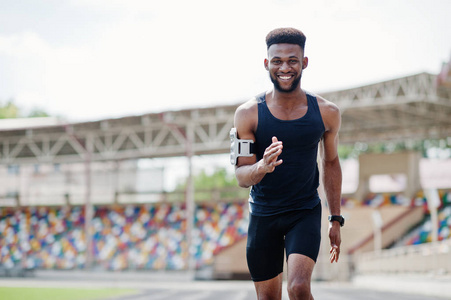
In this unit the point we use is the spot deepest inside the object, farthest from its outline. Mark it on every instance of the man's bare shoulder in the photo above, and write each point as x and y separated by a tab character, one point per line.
327	106
330	113
248	106
246	118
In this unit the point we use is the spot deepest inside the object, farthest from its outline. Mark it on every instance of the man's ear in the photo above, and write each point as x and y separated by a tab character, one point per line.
304	62
266	62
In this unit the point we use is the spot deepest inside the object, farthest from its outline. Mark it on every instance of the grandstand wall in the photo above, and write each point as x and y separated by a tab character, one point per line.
61	184
125	236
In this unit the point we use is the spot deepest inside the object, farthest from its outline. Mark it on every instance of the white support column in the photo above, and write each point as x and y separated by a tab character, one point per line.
89	210
189	198
433	201
377	230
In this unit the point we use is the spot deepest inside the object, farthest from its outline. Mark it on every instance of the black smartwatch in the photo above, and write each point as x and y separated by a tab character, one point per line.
339	219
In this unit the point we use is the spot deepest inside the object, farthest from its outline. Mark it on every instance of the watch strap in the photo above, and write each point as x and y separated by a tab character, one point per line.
338	219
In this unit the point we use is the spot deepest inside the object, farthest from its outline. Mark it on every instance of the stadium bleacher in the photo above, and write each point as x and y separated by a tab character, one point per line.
423	233
145	236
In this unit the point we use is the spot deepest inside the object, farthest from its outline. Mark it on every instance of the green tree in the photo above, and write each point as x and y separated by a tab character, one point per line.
219	185
441	147
38	113
217	180
9	110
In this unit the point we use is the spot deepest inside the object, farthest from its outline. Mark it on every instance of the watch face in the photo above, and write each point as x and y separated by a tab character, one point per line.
339	219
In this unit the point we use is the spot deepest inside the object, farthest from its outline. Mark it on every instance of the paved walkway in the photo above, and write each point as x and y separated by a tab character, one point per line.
424	284
179	285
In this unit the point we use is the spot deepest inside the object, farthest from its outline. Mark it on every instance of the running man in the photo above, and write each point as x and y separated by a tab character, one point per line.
287	124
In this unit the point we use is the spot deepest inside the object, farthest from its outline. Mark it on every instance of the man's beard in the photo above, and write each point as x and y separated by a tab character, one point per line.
294	85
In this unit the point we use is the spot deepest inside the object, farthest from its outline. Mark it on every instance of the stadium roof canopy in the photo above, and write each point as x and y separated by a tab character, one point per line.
408	108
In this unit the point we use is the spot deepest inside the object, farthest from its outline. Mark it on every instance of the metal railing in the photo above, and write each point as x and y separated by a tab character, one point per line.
423	258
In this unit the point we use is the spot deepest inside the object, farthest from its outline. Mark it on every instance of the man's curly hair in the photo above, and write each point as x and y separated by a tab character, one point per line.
286	36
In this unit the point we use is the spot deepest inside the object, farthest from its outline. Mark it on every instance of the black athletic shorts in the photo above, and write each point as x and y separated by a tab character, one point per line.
297	231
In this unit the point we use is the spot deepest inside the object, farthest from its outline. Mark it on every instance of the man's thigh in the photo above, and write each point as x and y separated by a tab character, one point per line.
304	234
299	267
265	247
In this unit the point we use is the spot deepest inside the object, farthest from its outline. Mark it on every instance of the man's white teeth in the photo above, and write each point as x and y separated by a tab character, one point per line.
285	77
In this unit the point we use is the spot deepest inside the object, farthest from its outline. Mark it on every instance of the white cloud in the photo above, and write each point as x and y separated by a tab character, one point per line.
42	73
23	45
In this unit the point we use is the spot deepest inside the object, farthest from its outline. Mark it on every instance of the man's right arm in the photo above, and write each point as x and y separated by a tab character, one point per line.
248	170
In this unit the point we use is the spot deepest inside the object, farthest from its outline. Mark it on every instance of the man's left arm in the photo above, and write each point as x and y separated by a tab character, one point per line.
331	173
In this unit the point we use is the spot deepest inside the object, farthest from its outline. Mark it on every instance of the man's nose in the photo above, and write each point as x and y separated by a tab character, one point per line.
285	66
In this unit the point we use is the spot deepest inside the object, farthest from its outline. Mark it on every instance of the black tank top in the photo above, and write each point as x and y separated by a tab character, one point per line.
293	185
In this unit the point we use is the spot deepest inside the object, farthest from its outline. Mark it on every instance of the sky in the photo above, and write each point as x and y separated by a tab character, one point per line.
95	59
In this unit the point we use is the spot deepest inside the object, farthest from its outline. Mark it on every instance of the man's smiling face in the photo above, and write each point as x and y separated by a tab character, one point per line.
285	63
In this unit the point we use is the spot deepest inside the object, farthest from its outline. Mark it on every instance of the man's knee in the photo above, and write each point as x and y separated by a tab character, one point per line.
299	289
269	294
270	289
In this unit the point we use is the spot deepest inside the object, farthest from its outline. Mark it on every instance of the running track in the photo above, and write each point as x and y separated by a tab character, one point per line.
180	286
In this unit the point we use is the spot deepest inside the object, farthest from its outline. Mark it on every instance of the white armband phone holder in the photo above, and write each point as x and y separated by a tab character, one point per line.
239	148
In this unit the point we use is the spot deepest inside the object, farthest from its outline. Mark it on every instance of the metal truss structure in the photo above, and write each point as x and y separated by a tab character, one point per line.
166	134
406	108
